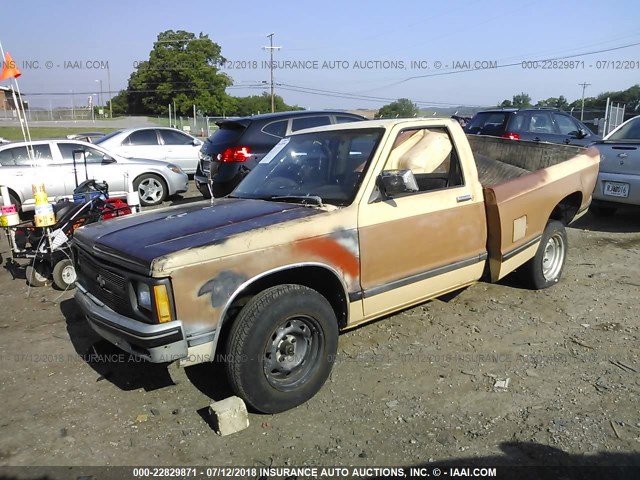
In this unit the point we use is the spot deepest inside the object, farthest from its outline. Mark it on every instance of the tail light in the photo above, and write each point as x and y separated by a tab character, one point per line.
511	136
235	154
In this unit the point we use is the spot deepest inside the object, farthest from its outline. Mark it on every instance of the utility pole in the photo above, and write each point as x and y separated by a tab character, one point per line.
271	48
584	86
110	95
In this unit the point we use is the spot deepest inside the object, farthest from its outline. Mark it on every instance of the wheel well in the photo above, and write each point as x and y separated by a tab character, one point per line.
16	197
566	210
150	174
317	278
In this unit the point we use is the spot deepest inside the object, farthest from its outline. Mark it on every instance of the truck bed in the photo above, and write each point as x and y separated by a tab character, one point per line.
524	185
499	159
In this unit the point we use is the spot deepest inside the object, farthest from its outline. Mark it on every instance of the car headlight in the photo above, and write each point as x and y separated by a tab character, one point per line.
143	294
204	156
174	168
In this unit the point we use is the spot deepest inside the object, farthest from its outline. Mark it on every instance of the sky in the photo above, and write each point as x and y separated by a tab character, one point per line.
356	54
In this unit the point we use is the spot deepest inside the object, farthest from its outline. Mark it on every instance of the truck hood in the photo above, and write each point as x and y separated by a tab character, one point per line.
142	238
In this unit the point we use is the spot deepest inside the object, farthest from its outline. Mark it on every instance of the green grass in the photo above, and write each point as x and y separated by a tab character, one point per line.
15	133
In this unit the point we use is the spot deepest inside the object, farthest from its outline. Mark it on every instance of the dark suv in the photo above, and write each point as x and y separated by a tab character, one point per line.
533	124
240	143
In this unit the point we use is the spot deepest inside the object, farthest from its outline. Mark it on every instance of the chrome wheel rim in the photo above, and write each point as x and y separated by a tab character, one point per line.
150	190
292	352
553	257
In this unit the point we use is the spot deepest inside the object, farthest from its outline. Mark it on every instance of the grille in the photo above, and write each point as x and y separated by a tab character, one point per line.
105	282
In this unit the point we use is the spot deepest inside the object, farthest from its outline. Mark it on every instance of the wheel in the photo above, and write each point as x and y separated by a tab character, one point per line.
151	188
602	211
38	273
64	274
204	190
545	268
281	348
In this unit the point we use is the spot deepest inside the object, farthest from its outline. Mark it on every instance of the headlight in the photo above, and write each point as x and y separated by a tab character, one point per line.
204	156
174	168
144	296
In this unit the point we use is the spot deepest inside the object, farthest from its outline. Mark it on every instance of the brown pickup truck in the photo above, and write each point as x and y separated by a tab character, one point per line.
336	226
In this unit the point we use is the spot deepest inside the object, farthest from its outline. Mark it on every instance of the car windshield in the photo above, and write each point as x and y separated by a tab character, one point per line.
314	168
107	137
629	131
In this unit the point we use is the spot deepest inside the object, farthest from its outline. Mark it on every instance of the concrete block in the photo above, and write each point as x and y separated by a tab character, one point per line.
229	416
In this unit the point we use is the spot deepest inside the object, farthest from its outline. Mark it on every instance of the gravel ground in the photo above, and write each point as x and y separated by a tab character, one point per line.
494	373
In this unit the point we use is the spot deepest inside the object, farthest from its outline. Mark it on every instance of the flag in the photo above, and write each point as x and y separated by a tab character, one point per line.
9	69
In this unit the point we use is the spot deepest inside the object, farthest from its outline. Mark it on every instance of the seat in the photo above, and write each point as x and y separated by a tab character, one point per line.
423	152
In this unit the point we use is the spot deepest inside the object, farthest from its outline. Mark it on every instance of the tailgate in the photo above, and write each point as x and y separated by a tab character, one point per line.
519	209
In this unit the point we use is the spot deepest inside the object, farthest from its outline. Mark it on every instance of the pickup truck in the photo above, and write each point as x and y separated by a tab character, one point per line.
336	226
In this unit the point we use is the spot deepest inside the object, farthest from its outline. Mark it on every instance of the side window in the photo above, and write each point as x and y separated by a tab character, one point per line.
431	157
142	137
171	137
344	119
566	125
309	122
92	155
42	154
277	129
540	123
6	158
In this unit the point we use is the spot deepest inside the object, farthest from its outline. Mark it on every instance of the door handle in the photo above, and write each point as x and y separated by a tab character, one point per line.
622	155
464	198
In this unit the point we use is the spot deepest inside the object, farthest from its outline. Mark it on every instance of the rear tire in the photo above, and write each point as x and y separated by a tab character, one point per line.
545	268
64	275
38	273
281	348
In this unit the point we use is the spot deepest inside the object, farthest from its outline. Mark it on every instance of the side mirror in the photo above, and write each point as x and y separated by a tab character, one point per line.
582	133
196	142
106	160
396	182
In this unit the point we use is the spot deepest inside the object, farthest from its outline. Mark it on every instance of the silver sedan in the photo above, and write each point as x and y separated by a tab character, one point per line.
62	164
619	176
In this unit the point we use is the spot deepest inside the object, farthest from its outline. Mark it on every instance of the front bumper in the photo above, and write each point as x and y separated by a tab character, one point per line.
158	343
633	181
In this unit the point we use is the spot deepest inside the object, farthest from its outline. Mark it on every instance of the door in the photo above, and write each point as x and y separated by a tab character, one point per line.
22	172
422	243
180	149
96	168
537	127
571	132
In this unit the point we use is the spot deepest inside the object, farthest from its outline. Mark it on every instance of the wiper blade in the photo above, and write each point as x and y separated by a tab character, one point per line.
304	199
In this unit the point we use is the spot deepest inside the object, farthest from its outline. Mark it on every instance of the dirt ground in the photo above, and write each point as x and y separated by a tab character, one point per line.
420	387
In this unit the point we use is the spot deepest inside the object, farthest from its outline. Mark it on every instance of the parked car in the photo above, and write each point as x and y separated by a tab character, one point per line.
90	137
336	226
239	144
619	178
54	166
4	140
158	143
533	124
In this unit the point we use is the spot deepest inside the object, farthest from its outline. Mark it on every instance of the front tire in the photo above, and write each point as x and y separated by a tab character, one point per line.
281	348
151	188
38	273
545	268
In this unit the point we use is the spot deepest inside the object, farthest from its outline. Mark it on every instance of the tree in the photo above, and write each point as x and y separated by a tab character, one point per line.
519	101
559	102
402	107
259	104
182	70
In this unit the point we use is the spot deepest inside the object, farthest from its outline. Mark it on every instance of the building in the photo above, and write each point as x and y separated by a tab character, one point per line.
6	99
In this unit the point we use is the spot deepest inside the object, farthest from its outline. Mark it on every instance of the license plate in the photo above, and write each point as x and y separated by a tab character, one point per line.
616	189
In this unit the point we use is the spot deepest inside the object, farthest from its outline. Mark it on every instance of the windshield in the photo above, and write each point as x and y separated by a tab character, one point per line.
629	131
326	166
